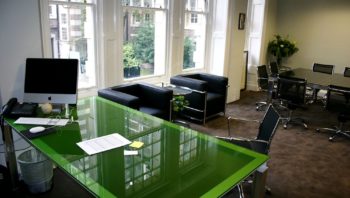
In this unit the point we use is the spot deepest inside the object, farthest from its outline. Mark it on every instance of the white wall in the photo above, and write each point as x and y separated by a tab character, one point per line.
321	29
19	39
236	40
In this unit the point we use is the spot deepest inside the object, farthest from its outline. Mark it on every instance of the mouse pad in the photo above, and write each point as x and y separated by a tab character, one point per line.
30	135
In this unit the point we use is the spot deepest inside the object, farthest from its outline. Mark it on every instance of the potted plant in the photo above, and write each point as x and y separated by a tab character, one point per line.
179	103
281	48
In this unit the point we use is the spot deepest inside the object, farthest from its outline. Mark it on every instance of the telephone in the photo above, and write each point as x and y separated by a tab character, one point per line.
6	109
14	109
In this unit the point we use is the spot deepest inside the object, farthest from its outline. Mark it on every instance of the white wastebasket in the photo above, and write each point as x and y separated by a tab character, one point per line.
37	171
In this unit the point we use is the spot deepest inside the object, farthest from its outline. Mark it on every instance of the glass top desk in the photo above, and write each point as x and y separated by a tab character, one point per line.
317	79
173	162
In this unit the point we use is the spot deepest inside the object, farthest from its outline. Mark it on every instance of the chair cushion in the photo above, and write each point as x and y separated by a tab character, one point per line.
215	103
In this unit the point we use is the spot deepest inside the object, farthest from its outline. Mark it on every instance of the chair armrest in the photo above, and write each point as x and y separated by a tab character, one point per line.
192	83
242	119
229	139
119	97
260	146
216	84
196	99
243	142
262	78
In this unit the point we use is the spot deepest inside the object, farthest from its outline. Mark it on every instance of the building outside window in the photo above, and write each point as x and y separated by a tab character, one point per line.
194	18
72	33
143	21
196	12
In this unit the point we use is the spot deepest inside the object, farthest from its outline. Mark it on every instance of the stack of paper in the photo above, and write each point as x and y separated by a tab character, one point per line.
103	143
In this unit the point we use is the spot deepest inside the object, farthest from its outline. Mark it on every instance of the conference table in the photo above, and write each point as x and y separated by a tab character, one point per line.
174	161
317	79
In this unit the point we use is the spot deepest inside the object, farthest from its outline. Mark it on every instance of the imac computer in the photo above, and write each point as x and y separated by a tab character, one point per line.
49	80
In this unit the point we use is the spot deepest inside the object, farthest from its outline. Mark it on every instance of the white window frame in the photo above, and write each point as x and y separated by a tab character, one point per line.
154	79
46	39
208	14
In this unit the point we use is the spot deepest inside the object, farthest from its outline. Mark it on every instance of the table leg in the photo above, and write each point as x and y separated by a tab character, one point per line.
10	155
259	182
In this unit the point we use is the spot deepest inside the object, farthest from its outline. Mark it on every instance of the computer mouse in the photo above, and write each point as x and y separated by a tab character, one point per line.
37	129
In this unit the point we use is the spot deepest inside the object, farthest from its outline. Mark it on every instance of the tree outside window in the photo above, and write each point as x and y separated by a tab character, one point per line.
195	34
143	55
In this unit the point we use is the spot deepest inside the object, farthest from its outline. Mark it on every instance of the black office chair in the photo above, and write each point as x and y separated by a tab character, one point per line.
266	131
322	68
208	95
265	84
347	74
337	102
292	92
262	142
274	69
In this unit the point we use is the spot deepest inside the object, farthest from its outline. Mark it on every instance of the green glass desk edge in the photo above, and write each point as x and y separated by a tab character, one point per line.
217	191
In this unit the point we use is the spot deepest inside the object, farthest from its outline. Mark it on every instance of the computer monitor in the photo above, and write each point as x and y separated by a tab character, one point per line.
49	80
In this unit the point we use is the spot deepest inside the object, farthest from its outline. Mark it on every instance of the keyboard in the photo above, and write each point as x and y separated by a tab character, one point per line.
42	121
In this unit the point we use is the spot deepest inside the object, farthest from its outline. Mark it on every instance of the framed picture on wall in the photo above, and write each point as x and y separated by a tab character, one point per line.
241	21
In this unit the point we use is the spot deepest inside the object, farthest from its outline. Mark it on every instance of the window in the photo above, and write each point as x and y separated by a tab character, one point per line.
143	21
72	36
195	33
194	18
64	18
147	17
64	34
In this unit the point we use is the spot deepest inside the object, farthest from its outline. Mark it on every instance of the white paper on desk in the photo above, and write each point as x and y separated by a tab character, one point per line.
103	143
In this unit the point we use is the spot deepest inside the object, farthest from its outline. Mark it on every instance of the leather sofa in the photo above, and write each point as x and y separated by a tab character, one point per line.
144	97
208	96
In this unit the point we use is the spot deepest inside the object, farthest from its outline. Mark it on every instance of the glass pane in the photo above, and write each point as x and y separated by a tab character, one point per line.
145	3
194	40
196	5
144	55
72	36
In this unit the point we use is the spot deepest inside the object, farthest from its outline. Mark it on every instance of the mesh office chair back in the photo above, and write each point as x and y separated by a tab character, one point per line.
323	68
268	125
347	72
274	69
336	100
263	77
292	90
339	103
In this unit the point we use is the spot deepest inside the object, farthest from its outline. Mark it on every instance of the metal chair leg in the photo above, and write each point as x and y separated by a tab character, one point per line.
240	190
337	131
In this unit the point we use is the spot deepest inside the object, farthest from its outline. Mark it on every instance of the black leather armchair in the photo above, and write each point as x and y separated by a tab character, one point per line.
144	97
208	96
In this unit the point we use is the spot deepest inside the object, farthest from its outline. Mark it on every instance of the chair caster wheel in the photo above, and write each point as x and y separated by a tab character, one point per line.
268	190
331	139
318	130
285	126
